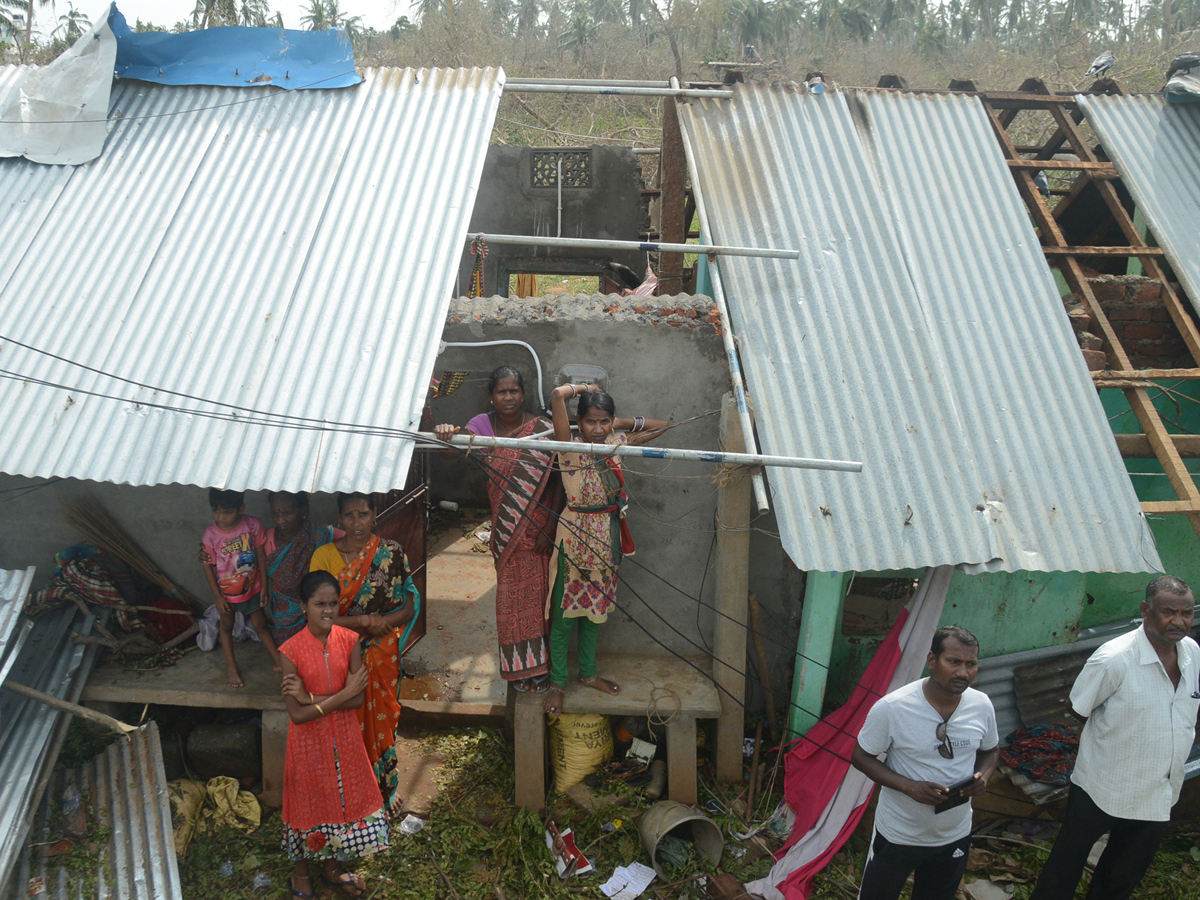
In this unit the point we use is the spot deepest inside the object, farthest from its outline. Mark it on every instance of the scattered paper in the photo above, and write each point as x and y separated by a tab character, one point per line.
628	882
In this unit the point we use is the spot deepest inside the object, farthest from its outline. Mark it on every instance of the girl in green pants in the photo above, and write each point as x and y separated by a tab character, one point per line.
591	534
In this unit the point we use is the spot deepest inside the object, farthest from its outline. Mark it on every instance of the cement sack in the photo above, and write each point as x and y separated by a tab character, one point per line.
579	744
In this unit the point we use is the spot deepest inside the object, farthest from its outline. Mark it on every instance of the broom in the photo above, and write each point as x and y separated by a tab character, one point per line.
97	527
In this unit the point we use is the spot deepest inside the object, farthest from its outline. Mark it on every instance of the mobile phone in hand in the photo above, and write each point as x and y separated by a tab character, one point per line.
955	796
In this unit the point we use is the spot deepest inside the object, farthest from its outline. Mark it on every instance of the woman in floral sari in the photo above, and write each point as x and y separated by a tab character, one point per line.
525	496
289	548
377	599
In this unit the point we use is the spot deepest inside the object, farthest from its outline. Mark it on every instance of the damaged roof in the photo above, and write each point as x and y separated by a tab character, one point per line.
1155	145
920	331
244	290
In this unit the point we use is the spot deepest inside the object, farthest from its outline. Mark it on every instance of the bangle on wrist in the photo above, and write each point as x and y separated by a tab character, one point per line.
311	698
318	706
639	423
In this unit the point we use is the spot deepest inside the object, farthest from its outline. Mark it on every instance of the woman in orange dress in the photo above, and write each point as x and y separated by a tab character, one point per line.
332	808
378	600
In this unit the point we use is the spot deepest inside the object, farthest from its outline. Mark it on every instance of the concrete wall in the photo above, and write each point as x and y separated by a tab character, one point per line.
508	203
665	359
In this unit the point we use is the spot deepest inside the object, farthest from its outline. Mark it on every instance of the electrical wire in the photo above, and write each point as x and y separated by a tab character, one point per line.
303	423
582	537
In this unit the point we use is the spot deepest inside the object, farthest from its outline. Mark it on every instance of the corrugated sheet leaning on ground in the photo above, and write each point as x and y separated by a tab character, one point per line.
125	787
1154	145
287	252
32	734
920	331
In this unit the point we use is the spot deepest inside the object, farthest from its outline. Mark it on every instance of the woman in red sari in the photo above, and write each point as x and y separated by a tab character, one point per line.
525	496
378	600
332	808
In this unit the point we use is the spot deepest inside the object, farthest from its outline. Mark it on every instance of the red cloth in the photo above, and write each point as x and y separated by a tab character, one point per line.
816	764
165	626
310	774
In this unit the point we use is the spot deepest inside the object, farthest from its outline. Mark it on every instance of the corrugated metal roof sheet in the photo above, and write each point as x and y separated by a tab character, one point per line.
32	734
287	252
920	331
1156	148
125	788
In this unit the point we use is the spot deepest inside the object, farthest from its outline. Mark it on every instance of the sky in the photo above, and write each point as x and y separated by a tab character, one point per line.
378	14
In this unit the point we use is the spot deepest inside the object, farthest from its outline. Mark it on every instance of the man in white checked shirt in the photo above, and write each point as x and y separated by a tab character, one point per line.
1139	694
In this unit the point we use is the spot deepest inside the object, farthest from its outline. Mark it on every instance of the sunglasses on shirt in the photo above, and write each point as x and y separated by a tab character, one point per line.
944	749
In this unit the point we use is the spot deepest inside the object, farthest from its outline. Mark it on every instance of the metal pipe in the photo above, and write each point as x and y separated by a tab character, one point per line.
648	151
560	88
587	82
536	361
559	183
710	456
735	368
530	240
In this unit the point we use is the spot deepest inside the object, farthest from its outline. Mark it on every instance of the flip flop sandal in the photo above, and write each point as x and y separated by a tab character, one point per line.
300	894
345	885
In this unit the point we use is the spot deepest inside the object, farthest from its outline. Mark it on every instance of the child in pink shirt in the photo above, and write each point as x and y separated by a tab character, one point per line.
237	574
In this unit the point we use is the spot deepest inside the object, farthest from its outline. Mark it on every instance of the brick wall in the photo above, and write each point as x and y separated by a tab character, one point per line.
1135	310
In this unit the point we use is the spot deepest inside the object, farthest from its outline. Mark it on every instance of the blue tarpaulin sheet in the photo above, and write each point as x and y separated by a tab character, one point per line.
236	57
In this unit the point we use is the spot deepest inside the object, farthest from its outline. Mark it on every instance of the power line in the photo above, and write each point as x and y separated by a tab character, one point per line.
492	474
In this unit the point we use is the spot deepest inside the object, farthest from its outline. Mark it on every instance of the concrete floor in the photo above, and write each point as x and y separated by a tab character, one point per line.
455	667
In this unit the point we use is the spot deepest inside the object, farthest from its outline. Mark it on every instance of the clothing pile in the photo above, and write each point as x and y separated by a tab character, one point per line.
1044	753
144	618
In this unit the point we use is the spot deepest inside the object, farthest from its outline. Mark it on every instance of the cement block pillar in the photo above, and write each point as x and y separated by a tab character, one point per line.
274	751
823	597
529	751
732	589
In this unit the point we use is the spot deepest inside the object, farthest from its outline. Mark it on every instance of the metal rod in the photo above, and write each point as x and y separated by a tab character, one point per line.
559	182
735	368
560	88
530	240
648	151
709	456
616	82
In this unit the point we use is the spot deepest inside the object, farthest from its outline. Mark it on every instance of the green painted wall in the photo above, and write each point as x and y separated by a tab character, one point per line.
1115	597
1010	612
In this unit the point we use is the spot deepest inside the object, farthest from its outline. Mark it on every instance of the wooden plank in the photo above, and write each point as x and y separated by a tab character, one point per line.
529	751
1103	251
732	585
1137	446
1091	167
673	178
1170	506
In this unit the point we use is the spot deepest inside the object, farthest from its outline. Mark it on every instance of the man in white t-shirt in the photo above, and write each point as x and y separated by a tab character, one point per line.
1139	693
940	738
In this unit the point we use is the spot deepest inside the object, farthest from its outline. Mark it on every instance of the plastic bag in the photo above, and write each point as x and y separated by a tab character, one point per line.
579	744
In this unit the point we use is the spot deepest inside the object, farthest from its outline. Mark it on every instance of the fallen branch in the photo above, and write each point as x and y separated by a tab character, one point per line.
73	708
445	877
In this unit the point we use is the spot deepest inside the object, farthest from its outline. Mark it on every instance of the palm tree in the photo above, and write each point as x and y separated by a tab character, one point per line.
254	13
315	17
339	19
580	30
73	23
528	14
753	20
